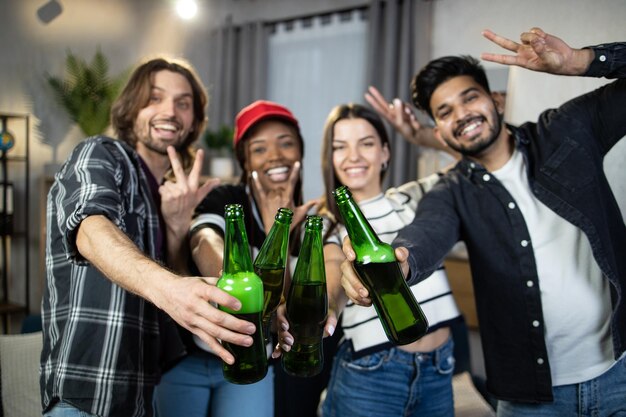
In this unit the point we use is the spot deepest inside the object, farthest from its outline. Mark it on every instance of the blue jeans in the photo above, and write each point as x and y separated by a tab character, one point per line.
391	383
195	387
602	396
63	409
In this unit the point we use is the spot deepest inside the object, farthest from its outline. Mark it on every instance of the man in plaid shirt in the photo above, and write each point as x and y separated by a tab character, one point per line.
113	222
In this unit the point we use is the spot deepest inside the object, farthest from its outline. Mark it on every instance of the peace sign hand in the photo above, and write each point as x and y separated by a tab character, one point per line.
271	200
180	198
540	51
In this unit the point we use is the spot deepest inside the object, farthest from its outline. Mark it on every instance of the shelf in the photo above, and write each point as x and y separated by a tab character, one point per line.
11	308
14	221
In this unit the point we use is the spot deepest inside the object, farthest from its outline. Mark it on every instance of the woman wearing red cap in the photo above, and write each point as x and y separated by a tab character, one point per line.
269	148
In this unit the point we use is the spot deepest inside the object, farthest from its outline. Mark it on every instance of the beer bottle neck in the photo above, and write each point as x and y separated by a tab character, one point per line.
310	266
236	248
365	242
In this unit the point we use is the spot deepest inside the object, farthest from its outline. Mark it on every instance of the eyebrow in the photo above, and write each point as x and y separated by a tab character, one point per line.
179	96
263	139
359	139
461	94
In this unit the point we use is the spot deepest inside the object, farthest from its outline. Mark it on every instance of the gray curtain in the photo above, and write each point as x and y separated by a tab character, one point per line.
237	72
399	45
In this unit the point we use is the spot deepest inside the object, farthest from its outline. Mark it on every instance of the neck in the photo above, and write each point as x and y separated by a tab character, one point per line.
157	164
362	195
498	154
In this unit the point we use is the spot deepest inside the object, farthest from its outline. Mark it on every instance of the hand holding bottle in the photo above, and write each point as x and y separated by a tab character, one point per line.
285	339
352	285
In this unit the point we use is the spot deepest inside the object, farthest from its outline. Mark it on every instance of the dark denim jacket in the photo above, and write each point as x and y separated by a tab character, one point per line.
564	151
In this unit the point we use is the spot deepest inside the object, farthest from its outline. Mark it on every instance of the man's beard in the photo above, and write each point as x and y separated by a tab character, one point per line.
476	148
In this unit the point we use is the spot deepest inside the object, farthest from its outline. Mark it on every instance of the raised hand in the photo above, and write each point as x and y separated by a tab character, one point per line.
180	198
270	200
178	201
397	113
403	120
540	51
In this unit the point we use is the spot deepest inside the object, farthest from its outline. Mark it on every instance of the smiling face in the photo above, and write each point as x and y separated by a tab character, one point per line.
467	118
271	150
358	157
168	117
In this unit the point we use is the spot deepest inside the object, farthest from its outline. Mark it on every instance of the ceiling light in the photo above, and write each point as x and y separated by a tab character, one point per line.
186	8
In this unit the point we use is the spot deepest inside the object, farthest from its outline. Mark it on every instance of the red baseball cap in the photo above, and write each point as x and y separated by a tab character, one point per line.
257	111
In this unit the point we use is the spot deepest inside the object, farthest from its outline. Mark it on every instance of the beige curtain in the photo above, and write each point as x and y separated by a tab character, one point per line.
399	39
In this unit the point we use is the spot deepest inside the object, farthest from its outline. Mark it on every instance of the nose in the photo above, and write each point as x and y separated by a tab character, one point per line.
353	153
168	106
274	152
460	112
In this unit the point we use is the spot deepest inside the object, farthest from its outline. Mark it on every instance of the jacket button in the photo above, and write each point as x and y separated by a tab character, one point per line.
511	205
486	177
529	283
535	323
540	361
524	243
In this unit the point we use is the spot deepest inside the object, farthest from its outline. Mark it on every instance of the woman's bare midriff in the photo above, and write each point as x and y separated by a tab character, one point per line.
429	342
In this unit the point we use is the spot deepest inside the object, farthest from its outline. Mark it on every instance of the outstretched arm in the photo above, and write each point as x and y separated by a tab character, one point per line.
540	51
186	299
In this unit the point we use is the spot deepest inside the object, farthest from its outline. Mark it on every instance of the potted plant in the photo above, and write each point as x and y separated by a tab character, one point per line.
220	145
87	91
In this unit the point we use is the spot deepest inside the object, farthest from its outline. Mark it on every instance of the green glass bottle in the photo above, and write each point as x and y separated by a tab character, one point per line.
270	265
239	280
400	314
307	305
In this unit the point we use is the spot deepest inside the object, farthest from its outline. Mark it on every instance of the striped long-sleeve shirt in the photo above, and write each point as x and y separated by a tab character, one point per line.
388	213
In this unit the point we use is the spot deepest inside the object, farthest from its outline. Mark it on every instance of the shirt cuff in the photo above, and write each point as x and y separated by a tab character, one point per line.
608	58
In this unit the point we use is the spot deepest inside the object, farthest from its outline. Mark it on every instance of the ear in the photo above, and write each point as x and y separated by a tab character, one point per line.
499	99
438	136
386	155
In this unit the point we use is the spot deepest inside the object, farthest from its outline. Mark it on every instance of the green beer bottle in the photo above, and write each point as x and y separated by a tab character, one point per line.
239	280
307	305
400	314
270	265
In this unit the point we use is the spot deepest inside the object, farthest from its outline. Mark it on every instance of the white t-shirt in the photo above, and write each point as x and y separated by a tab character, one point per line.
575	296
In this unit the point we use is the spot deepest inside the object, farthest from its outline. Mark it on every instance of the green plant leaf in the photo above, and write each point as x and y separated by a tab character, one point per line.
87	91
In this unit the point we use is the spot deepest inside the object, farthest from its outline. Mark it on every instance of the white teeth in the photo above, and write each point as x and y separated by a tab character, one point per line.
275	171
470	127
169	127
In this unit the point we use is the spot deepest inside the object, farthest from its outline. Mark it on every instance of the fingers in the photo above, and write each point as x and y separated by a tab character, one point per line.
331	323
300	212
293	178
347	249
376	100
352	286
402	256
196	170
256	185
177	167
501	41
206	188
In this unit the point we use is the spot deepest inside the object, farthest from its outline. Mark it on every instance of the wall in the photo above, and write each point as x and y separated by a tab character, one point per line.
578	22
